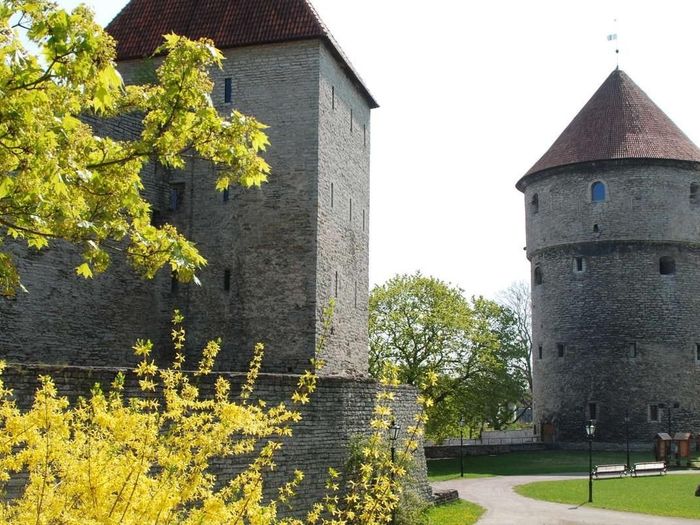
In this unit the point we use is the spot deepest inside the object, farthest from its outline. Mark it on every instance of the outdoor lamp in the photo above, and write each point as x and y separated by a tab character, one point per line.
393	436
590	429
394	432
461	447
590	432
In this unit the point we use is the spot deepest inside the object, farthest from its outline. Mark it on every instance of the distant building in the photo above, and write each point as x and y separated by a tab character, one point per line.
613	237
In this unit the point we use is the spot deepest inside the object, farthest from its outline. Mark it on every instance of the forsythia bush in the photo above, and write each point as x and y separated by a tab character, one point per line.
109	459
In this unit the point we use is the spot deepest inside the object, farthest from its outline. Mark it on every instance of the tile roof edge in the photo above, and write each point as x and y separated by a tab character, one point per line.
521	184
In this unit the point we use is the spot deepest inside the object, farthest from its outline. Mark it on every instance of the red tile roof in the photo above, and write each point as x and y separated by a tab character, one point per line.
140	26
619	122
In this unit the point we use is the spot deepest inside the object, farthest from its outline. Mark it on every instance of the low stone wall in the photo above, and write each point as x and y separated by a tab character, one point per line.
494	437
603	446
340	409
452	451
444	496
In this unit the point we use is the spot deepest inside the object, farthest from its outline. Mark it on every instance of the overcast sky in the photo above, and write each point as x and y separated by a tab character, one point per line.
471	95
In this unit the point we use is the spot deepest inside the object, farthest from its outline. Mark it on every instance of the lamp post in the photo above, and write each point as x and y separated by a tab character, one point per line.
461	447
393	436
590	433
627	436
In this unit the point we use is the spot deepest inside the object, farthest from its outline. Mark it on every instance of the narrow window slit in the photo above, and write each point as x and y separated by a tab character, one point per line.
228	90
227	280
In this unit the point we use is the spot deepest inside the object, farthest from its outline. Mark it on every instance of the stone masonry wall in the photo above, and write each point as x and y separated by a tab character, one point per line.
264	239
343	214
277	247
618	333
340	408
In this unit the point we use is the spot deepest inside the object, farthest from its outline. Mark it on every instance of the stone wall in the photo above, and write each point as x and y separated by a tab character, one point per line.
646	200
273	253
340	409
454	451
343	213
616	334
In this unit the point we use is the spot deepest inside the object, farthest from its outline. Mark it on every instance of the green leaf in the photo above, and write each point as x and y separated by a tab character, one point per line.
84	271
6	185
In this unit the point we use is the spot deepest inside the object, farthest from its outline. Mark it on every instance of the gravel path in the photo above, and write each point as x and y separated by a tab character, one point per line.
505	507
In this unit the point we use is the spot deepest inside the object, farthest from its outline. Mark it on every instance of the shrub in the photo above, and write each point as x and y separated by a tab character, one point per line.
109	459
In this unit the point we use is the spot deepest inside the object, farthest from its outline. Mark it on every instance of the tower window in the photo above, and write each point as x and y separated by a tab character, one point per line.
535	203
228	90
596	229
350	215
364	134
226	194
592	410
538	275
539	352
697	353
337	285
351	120
332	194
598	192
177	196
633	350
174	283
227	280
578	264
363	220
667	266
560	349
694	187
654	413
332	97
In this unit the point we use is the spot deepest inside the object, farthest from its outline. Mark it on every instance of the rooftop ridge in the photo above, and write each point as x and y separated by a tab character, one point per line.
140	25
619	121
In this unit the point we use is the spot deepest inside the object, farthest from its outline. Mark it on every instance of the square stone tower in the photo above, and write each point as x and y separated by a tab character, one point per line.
277	255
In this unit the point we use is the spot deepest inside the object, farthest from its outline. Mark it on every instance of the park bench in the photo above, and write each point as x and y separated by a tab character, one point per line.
609	470
649	467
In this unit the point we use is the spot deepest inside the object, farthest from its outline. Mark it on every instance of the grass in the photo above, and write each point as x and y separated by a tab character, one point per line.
524	463
457	513
657	495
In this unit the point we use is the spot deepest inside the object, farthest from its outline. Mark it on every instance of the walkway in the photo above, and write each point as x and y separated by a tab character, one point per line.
505	507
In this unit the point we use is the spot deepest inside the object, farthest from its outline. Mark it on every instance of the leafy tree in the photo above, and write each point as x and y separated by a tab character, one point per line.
422	325
516	299
59	180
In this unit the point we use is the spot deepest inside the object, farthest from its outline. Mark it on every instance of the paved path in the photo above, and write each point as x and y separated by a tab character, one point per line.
505	507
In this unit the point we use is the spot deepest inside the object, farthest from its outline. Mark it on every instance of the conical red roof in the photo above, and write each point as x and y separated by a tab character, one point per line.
141	24
619	122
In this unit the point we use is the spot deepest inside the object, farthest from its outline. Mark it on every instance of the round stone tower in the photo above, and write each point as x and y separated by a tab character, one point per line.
613	238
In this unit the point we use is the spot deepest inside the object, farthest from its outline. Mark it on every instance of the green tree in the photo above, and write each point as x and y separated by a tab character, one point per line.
419	323
422	325
59	180
516	299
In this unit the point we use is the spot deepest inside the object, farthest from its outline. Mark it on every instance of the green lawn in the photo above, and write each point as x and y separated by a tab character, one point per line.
659	495
457	513
518	463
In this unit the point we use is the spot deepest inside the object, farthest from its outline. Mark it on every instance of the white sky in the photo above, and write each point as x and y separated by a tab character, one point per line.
471	95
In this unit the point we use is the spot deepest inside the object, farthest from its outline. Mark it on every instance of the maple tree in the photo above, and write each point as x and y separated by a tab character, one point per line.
59	180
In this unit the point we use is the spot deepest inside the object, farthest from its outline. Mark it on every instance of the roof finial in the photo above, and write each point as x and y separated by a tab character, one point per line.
613	38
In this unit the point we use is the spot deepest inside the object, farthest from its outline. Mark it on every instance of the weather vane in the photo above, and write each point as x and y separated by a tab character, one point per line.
612	37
